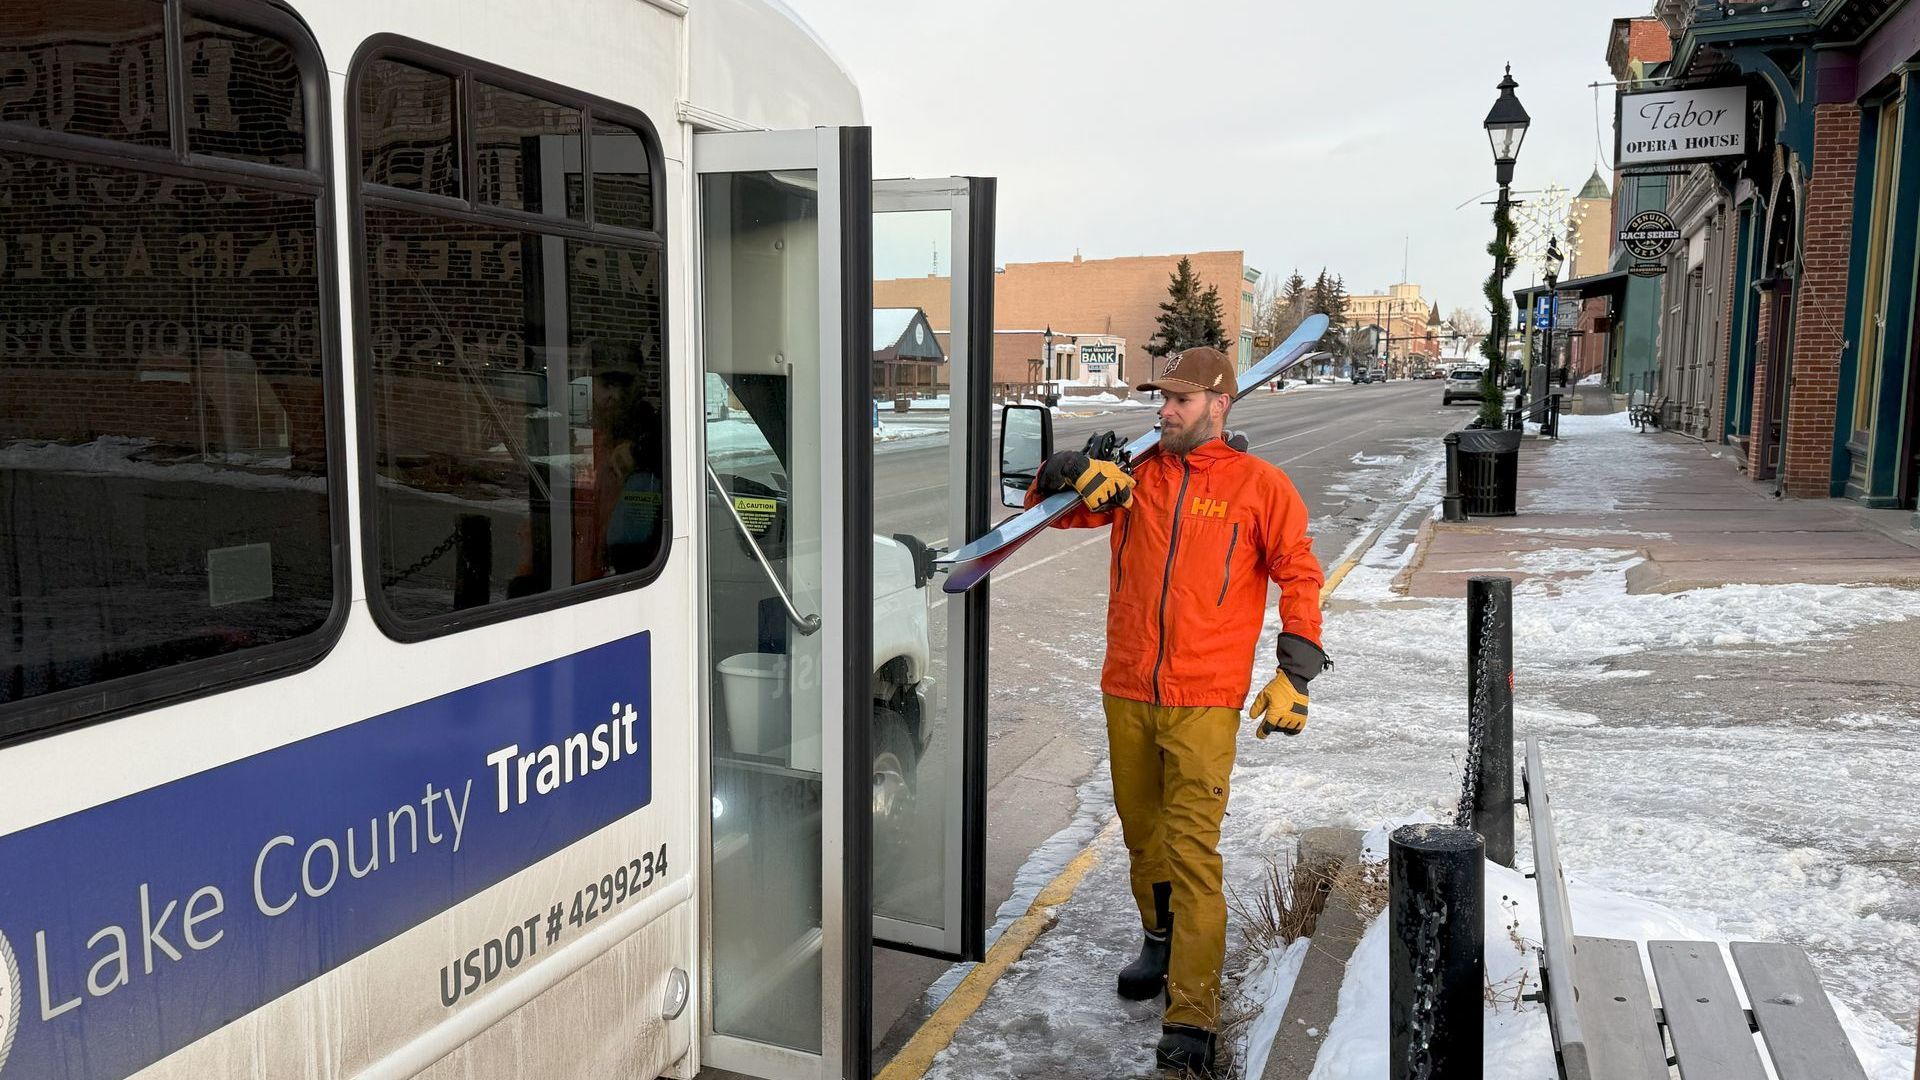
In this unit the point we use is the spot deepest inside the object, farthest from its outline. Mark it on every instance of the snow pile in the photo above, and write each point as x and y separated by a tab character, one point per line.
1268	985
1516	1031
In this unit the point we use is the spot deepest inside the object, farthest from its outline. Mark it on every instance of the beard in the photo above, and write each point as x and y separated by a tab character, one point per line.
1181	443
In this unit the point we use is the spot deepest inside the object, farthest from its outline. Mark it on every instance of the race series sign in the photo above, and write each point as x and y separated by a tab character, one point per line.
1668	126
1649	235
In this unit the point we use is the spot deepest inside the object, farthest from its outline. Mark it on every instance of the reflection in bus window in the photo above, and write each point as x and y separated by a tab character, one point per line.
97	68
517	389
163	454
406	129
527	153
622	182
244	98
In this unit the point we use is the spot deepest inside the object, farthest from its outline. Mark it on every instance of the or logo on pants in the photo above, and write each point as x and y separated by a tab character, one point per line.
1216	508
9	999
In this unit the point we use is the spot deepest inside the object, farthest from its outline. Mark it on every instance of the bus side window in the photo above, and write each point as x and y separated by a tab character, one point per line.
165	496
515	352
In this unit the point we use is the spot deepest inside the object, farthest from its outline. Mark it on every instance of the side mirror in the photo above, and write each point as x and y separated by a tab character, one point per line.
1026	441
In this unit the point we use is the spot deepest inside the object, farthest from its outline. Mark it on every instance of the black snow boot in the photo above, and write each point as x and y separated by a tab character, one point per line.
1147	975
1186	1048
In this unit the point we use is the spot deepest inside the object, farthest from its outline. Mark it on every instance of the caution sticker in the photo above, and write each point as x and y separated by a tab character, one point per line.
757	513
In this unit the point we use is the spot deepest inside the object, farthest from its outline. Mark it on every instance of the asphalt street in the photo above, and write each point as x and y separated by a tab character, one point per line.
1353	451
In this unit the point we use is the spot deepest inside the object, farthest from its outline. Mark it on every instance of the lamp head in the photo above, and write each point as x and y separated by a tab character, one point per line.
1506	126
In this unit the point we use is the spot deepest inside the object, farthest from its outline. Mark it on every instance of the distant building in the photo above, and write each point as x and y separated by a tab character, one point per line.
907	357
1109	298
1404	327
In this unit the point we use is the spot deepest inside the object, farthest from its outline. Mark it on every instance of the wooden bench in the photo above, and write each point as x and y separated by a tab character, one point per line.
1607	1026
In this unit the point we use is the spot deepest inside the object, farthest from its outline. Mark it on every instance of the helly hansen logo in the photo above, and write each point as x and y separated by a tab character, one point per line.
1213	508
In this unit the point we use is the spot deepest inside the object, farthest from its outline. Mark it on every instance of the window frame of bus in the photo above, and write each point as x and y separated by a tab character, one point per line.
80	706
465	71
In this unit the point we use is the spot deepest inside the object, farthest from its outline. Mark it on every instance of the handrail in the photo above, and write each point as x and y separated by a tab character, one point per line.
806	624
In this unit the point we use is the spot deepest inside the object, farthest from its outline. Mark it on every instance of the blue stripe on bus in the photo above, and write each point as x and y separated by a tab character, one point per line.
217	858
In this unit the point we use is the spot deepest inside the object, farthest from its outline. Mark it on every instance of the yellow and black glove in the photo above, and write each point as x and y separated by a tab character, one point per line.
1102	484
1281	706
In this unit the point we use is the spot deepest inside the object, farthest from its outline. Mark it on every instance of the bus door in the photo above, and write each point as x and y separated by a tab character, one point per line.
841	693
932	370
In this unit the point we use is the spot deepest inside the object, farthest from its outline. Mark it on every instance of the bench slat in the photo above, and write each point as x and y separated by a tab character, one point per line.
1711	1039
1616	1011
1796	1019
1556	923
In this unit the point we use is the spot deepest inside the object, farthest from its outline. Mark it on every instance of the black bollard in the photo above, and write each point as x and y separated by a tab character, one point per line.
1451	506
1436	957
1490	631
472	561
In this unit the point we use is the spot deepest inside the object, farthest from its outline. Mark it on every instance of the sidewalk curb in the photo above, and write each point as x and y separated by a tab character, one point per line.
917	1056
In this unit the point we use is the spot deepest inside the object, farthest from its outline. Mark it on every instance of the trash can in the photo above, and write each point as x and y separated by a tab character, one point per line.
1489	473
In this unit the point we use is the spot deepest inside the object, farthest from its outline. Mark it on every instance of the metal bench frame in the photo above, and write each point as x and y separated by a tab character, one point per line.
1605	1025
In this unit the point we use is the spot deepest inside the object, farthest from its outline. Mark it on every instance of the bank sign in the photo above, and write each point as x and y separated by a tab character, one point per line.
1671	126
131	929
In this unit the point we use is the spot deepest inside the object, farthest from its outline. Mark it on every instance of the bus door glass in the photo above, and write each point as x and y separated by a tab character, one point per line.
783	296
931	369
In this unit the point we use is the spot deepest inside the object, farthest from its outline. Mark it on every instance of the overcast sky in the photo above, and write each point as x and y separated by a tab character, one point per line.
1337	134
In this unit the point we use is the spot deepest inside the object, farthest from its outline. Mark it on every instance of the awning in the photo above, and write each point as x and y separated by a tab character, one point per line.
1612	283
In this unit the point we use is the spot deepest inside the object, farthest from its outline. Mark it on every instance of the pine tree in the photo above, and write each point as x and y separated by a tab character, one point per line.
1188	317
1213	330
1337	303
1319	295
1294	295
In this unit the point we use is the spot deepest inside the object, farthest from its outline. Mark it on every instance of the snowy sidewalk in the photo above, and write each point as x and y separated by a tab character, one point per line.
1680	506
1729	762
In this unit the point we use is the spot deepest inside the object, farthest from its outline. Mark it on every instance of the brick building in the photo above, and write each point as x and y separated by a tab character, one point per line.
1404	326
1117	298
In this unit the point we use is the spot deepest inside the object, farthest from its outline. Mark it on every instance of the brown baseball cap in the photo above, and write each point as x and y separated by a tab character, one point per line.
1199	368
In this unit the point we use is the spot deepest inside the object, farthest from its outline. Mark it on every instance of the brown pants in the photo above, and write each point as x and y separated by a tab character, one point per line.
1170	771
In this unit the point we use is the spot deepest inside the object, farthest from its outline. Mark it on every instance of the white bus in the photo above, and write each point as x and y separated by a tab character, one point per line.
453	619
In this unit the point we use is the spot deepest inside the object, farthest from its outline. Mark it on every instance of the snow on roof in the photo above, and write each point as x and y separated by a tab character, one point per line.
890	324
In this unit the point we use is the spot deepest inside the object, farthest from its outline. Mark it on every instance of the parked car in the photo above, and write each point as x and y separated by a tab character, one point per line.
1463	384
1378	374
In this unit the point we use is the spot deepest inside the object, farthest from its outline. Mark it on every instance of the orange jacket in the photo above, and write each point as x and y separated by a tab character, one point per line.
1188	591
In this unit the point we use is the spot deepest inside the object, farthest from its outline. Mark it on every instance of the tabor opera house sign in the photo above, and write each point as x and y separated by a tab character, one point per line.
1669	126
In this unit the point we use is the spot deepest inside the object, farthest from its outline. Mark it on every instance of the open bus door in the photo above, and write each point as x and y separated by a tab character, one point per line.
839	690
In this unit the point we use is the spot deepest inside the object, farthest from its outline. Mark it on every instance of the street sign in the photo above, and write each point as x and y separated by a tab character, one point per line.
1542	312
1566	315
1647	269
1649	235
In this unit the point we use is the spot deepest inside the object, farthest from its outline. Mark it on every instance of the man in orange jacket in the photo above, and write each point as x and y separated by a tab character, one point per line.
1198	532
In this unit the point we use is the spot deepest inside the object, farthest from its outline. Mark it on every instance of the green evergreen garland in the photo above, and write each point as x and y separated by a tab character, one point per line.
1492	395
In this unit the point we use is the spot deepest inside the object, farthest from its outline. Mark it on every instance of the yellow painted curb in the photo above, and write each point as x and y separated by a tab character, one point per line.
1340	573
917	1056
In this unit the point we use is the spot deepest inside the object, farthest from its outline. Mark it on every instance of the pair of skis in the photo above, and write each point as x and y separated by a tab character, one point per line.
971	565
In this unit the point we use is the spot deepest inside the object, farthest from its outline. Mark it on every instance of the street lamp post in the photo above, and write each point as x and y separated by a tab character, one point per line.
1553	261
1046	368
1506	126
